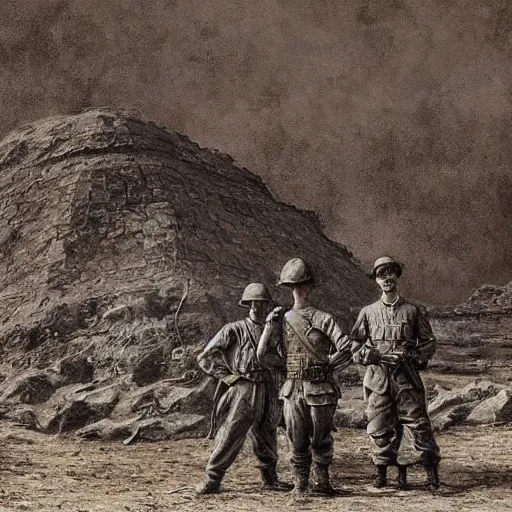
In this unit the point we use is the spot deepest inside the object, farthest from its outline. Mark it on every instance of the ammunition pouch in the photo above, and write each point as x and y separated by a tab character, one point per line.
388	346
315	393
312	374
320	393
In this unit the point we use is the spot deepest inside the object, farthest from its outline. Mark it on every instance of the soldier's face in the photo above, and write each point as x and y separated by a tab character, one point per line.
259	310
387	279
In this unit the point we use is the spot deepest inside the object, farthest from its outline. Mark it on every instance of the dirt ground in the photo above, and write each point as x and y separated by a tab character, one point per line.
42	473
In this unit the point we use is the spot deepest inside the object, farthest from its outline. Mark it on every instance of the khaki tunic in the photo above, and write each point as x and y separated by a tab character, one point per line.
249	404
395	393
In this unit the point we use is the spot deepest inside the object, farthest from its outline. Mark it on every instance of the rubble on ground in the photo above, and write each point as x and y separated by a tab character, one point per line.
480	402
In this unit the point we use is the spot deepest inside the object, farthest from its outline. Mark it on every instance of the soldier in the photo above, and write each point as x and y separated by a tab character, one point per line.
247	395
394	339
310	344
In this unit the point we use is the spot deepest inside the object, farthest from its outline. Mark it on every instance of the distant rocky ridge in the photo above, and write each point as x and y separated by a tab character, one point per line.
489	299
475	337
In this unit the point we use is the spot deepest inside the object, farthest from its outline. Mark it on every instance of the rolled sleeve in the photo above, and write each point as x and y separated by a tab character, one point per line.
211	359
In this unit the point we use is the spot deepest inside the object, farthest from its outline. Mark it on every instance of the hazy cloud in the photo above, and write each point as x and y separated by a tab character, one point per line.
391	118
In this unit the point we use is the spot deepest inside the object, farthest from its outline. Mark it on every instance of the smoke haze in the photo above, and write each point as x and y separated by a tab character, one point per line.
390	118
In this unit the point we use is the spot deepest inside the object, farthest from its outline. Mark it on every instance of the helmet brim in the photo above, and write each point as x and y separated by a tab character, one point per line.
247	302
373	273
295	283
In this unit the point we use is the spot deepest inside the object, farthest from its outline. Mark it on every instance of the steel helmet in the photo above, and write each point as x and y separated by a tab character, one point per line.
385	260
255	291
295	271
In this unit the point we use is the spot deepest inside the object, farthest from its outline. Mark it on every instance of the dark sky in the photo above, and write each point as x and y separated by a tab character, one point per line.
391	118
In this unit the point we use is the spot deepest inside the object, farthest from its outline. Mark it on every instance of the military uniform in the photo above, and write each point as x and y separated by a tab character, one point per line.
309	393
246	403
398	338
310	344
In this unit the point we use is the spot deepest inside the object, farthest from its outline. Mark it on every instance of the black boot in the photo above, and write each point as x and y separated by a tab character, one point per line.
381	479
322	484
432	476
270	481
300	480
209	486
402	477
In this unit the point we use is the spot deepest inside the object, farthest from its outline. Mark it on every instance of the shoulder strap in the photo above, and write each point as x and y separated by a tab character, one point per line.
300	327
253	341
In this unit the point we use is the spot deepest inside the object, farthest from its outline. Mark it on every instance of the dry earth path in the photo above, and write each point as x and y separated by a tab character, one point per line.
41	473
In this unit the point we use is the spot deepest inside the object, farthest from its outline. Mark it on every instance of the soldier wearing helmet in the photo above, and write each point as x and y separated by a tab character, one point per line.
309	344
393	338
246	401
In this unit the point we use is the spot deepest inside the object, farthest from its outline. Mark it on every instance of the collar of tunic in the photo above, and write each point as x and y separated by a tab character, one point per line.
396	302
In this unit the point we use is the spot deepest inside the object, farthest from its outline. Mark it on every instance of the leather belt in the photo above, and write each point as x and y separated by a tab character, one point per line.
258	376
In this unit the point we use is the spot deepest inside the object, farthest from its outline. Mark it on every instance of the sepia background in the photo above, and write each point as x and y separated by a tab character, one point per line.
124	248
390	118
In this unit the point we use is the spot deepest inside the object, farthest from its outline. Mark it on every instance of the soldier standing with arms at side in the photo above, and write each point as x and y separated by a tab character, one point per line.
247	395
393	338
310	344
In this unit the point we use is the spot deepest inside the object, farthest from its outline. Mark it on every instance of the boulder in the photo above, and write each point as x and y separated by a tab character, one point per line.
75	369
444	399
148	368
165	397
452	415
451	407
198	401
174	426
481	389
495	409
74	406
31	387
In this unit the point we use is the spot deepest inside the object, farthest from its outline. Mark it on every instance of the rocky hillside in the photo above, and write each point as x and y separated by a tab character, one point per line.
123	248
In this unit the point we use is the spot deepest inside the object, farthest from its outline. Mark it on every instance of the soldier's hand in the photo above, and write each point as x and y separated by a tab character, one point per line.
393	357
372	356
276	314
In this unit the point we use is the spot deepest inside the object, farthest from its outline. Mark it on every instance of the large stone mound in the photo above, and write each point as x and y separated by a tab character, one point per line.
123	248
